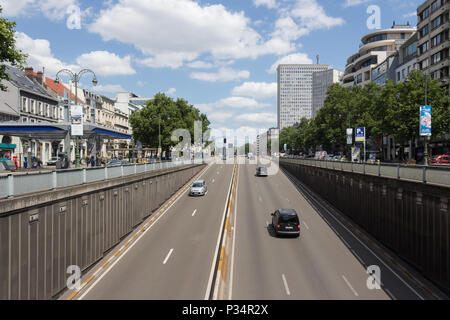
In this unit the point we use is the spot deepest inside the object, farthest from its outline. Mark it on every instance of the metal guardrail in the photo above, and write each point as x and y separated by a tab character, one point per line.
424	174
18	184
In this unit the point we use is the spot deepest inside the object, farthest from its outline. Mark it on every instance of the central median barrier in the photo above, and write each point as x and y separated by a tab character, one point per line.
43	233
406	215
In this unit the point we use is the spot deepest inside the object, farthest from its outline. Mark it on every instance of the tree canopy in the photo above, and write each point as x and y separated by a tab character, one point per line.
168	113
392	109
8	51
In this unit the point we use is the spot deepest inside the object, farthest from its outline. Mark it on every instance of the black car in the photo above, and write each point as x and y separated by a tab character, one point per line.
286	222
261	171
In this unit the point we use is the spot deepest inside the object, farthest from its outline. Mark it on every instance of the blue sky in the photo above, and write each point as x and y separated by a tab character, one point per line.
218	55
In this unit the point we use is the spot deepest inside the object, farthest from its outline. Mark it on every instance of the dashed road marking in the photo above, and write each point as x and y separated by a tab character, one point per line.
350	286
193	213
286	287
168	256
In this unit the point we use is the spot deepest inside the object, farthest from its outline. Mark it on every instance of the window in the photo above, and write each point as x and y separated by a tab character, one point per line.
435	58
24	105
424	48
424	31
436	22
398	76
425	64
33	109
436	40
425	13
436	5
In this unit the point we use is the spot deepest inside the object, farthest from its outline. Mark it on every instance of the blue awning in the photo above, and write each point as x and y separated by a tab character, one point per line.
111	133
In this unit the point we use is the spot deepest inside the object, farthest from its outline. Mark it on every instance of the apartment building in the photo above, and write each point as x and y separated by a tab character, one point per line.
433	39
295	92
375	48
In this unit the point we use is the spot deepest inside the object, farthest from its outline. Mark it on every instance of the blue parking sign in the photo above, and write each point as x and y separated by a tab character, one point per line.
360	134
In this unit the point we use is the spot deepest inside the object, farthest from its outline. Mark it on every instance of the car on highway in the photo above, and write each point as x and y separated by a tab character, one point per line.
52	161
286	222
441	159
198	188
117	163
261	171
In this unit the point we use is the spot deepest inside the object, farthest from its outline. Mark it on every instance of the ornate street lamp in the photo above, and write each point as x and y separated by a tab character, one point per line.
75	77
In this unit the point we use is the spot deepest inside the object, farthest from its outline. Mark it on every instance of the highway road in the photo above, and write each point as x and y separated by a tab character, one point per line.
325	262
173	260
176	258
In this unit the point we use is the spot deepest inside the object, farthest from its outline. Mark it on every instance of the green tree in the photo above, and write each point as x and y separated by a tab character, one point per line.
402	107
169	115
289	136
8	52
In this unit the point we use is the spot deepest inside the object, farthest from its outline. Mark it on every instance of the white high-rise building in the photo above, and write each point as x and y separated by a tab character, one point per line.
295	90
321	81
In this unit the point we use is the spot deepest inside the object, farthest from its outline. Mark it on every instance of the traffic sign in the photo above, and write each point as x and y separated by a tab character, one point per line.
360	134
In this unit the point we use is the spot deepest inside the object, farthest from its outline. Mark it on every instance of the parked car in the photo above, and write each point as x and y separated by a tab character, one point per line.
286	222
261	171
52	161
441	159
198	188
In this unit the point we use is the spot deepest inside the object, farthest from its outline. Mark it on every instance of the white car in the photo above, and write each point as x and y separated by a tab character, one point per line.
198	188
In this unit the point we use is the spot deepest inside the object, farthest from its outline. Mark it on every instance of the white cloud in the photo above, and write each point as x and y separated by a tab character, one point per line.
240	102
410	14
110	88
271	4
56	9
219	116
171	91
312	16
352	3
257	90
223	74
200	65
296	58
266	118
106	63
179	31
40	54
14	8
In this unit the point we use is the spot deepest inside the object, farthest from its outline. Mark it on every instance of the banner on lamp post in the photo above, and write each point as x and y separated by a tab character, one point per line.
425	121
76	119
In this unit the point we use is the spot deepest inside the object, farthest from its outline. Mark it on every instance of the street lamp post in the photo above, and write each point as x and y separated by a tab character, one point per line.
75	77
425	149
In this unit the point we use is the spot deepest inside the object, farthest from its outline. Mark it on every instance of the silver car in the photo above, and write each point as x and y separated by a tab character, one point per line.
198	188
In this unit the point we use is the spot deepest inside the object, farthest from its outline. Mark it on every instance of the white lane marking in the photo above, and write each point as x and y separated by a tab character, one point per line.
213	180
135	241
390	294
168	256
354	236
211	274
193	213
230	292
260	199
350	286
304	223
285	284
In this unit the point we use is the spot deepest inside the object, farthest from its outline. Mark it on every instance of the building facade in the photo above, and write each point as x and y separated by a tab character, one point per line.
322	80
295	92
27	101
433	39
407	59
375	48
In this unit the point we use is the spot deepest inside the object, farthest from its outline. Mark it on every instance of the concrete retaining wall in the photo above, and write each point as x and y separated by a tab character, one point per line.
410	218
41	234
